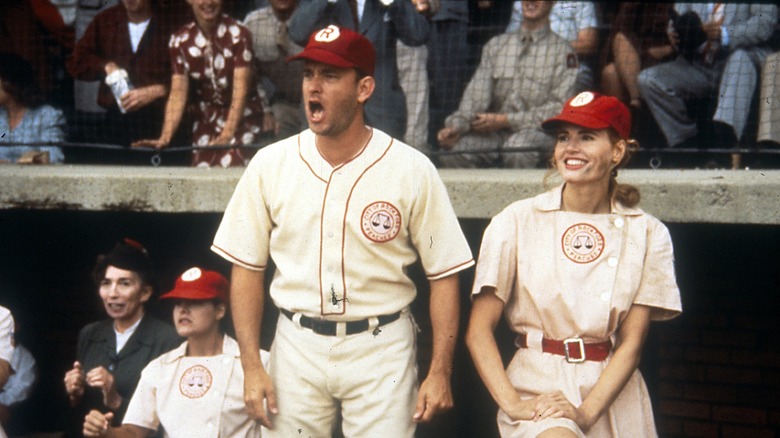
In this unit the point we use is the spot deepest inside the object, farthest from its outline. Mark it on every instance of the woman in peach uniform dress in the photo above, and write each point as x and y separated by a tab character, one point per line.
579	272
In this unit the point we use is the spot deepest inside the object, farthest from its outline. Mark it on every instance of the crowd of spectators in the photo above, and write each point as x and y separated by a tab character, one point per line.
467	82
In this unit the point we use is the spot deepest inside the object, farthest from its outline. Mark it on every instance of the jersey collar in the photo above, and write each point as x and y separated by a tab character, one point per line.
551	201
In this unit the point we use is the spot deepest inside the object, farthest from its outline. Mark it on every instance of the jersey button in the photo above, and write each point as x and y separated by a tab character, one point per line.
605	296
619	222
612	262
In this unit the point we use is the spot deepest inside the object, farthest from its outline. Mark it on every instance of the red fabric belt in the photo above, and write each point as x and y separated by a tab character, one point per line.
574	349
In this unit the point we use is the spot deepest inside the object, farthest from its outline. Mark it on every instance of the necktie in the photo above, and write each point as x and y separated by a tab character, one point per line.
354	8
282	38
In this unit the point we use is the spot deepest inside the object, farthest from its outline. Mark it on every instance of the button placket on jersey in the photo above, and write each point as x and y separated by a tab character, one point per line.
331	257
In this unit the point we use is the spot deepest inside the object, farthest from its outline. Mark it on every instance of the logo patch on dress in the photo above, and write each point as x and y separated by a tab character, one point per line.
582	243
380	221
195	382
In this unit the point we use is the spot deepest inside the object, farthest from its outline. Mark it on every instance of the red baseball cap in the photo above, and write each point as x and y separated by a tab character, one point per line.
197	284
340	47
594	111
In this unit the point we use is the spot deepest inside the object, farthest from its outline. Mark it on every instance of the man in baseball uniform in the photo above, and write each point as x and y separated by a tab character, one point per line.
342	210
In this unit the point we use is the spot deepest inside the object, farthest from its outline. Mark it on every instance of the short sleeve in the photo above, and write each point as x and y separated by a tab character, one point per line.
6	335
142	410
435	230
242	45
178	60
658	288
243	236
586	16
497	261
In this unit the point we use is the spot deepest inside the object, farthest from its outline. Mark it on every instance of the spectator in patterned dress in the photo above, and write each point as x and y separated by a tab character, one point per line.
214	55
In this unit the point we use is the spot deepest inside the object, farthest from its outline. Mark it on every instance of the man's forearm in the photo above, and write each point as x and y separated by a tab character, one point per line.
247	302
445	315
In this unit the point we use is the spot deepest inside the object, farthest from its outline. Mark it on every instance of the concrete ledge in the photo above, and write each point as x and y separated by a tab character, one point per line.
685	196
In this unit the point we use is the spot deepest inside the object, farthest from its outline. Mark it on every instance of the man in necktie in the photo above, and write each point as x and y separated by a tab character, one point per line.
279	83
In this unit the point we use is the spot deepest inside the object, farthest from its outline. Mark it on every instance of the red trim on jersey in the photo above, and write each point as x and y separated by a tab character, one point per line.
300	154
238	260
456	268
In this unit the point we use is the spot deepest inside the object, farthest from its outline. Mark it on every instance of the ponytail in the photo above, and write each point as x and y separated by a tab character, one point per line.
625	194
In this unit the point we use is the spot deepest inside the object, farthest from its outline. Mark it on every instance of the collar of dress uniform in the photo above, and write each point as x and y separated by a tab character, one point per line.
534	35
229	347
551	201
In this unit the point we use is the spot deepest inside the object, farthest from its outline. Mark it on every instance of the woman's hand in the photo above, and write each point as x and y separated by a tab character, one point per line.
138	98
556	405
160	143
100	378
74	383
223	139
97	424
520	410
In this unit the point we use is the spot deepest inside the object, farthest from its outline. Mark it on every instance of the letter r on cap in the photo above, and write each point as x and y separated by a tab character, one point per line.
328	34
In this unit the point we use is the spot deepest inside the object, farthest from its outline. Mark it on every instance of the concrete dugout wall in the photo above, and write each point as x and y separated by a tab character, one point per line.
715	371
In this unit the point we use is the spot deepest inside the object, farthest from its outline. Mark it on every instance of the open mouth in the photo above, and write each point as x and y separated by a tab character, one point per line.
115	307
316	111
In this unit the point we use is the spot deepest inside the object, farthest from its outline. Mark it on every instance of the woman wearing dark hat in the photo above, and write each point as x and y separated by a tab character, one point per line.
579	272
111	353
196	390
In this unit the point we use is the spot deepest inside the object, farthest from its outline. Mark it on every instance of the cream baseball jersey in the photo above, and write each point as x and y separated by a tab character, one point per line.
342	237
194	396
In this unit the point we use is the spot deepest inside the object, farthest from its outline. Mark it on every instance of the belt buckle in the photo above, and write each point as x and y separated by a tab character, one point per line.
580	343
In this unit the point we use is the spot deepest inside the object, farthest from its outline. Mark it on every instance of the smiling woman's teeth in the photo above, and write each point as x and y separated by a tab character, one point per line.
573	162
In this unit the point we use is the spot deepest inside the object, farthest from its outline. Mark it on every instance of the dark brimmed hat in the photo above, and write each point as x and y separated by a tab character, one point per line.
593	111
130	256
199	284
340	47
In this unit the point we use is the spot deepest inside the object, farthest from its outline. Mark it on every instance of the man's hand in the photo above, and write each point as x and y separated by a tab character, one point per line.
138	98
489	122
97	424
447	138
100	378
74	383
435	396
259	388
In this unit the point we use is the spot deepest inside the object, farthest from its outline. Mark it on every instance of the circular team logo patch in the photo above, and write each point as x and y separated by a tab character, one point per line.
582	243
583	98
195	382
380	222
